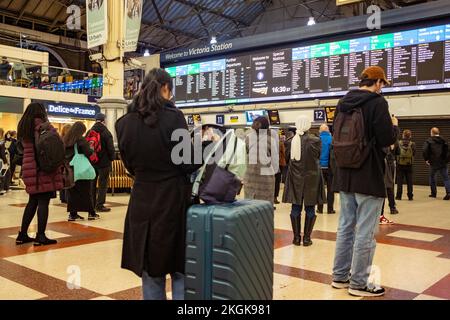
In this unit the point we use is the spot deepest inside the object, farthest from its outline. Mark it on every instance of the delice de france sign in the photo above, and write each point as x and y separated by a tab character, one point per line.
56	109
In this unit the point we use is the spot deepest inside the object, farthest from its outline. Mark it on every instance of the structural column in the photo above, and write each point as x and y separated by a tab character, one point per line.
112	102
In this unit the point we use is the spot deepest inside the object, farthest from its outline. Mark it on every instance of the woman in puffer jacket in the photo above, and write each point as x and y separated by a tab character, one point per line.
40	186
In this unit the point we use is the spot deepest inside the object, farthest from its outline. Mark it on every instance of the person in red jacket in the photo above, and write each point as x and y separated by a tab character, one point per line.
40	186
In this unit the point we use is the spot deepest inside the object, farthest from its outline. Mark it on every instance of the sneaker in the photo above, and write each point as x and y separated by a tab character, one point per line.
276	201
340	284
447	197
75	218
331	211
93	217
103	209
432	196
367	292
384	220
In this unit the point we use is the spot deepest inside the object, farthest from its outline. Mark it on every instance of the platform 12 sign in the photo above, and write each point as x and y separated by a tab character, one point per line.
319	115
220	119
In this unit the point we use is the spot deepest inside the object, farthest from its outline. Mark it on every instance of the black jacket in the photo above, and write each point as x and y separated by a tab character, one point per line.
82	146
3	151
369	178
435	150
155	224
304	183
107	153
4	70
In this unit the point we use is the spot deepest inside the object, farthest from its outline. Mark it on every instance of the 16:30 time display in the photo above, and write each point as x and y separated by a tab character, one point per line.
281	89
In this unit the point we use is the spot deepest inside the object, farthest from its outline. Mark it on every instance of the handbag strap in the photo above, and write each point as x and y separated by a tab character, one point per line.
228	162
198	179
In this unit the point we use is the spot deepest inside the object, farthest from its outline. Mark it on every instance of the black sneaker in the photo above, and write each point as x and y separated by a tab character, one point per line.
340	284
447	197
93	217
394	211
75	218
276	201
103	209
432	196
367	292
331	211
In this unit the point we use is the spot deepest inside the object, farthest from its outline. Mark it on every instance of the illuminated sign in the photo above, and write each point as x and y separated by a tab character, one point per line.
71	110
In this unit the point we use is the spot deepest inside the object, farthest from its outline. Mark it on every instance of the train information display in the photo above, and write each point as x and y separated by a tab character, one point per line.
414	60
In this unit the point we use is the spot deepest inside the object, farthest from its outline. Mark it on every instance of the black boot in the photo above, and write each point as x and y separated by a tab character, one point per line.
309	225
320	208
42	240
296	227
23	238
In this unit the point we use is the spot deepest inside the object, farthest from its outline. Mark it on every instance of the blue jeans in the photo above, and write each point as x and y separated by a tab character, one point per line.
355	242
154	288
444	174
296	211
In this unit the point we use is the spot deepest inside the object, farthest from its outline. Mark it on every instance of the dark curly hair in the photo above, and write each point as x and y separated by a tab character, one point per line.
149	102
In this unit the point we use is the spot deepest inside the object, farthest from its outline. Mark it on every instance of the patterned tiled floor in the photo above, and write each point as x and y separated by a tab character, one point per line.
412	259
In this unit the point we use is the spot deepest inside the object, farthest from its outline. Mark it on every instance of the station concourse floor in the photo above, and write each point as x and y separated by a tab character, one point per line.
412	257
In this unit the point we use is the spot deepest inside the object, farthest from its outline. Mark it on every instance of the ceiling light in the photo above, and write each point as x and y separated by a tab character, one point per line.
311	21
147	53
213	40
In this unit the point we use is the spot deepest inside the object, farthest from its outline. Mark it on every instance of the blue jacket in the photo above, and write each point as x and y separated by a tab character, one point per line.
327	139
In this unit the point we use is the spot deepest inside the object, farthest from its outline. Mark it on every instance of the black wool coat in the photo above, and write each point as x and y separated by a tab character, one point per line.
155	224
304	182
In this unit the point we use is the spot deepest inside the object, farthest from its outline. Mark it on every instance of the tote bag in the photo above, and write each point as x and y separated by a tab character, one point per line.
82	168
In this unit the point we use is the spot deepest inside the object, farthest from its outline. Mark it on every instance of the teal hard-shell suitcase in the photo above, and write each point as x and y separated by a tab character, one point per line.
229	251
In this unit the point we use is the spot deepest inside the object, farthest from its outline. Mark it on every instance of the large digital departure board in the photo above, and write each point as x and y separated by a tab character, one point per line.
414	60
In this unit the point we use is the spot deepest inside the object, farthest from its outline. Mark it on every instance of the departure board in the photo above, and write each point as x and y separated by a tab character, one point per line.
414	60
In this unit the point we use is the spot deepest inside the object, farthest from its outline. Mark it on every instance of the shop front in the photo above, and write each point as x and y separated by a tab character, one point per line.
11	110
62	113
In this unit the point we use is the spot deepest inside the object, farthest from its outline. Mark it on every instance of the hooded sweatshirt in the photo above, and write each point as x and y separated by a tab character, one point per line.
435	151
369	178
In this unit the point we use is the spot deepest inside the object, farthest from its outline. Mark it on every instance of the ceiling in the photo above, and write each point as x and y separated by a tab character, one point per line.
170	24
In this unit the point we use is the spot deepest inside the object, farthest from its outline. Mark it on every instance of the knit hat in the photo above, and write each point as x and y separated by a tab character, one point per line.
100	117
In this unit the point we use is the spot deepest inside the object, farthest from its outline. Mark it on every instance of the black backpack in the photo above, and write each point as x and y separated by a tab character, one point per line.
49	148
349	143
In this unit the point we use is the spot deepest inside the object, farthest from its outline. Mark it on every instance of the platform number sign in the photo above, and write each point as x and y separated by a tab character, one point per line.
319	115
190	120
220	119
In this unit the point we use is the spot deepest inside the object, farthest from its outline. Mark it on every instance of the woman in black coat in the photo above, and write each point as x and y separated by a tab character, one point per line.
155	225
304	183
79	197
